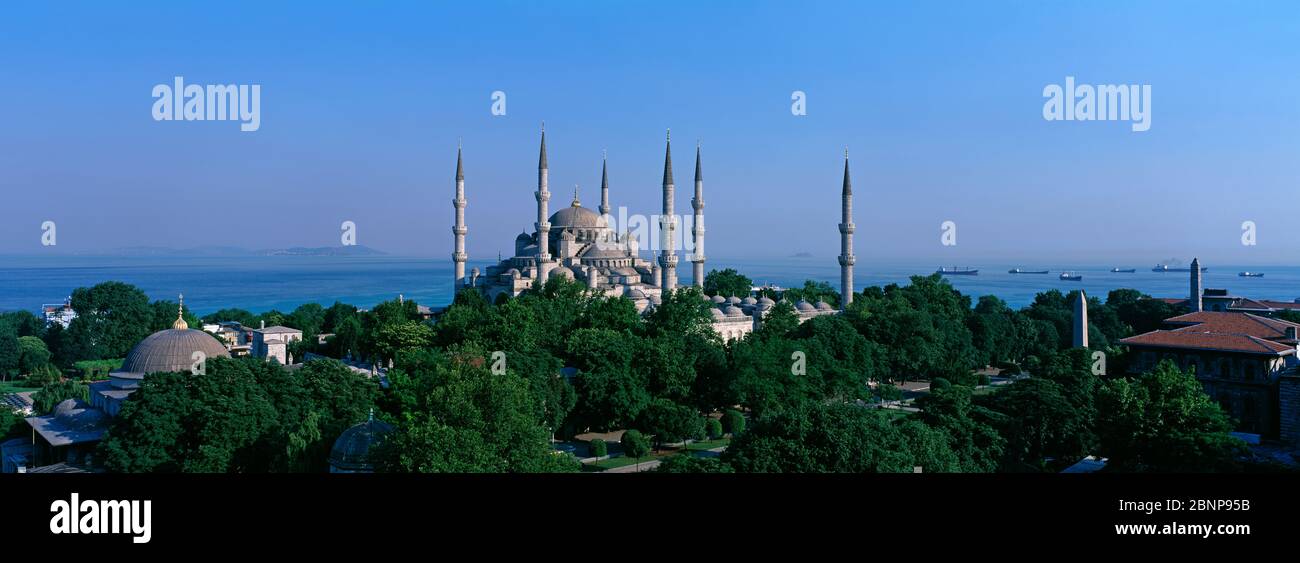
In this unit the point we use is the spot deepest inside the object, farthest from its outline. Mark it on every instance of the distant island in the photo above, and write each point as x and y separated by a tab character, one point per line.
231	251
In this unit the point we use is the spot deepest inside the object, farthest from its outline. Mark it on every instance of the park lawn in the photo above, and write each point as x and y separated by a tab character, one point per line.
7	387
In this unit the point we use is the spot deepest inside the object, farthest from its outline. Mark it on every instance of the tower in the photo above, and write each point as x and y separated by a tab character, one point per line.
1081	320
668	222
697	203
1194	300
846	238
543	227
460	230
604	185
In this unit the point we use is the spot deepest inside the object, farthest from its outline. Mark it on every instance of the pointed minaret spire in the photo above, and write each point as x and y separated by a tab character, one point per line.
543	196
846	238
697	203
668	223
668	160
458	256
576	202
604	184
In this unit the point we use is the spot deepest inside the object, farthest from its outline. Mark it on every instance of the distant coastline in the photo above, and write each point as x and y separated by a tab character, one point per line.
231	251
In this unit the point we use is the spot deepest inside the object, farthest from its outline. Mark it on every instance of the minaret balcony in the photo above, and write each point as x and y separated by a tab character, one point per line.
460	230
459	257
847	228
459	203
848	260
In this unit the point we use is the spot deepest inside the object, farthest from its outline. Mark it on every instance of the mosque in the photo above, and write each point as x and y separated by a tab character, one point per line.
578	243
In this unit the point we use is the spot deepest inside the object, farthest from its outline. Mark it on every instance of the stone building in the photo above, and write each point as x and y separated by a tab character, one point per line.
1246	362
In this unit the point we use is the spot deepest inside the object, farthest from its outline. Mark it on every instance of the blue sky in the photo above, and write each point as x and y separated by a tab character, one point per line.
940	104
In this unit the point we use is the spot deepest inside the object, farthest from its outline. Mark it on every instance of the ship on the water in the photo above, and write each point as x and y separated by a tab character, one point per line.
1123	270
1250	274
1168	268
955	271
1019	271
1071	276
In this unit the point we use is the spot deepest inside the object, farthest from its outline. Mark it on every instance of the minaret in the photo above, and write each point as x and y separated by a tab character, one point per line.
846	238
604	185
1081	320
668	222
1194	301
543	227
459	256
697	203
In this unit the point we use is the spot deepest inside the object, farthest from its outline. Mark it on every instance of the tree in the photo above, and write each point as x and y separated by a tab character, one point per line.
977	446
51	394
32	354
10	353
733	422
814	291
714	428
1039	422
240	316
1162	421
111	318
599	448
669	422
837	438
163	316
635	446
466	419
727	283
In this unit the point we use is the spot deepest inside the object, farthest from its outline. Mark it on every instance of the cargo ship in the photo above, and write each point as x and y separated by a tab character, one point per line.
1070	276
1123	270
1250	274
1019	271
955	271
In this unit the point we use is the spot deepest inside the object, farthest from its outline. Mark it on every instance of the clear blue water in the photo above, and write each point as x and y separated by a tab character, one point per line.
284	282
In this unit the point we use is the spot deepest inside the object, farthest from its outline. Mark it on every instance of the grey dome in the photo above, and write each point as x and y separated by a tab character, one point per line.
351	451
767	300
749	301
804	306
733	311
717	314
719	299
577	217
171	350
824	306
733	300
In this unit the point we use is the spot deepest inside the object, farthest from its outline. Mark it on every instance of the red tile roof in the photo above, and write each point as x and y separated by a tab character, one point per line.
1233	332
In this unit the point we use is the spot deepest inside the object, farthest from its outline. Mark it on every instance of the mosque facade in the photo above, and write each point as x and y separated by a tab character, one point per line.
581	244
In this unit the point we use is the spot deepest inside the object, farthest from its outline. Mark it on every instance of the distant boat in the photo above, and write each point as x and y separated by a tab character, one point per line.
1070	276
1166	268
1250	274
954	271
1019	271
1123	270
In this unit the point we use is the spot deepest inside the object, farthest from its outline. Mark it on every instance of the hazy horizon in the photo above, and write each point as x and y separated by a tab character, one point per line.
940	103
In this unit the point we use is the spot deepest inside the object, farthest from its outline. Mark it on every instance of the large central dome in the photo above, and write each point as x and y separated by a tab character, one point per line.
577	217
171	350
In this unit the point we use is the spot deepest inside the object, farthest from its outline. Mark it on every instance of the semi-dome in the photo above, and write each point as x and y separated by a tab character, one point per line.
169	350
636	294
577	217
351	451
